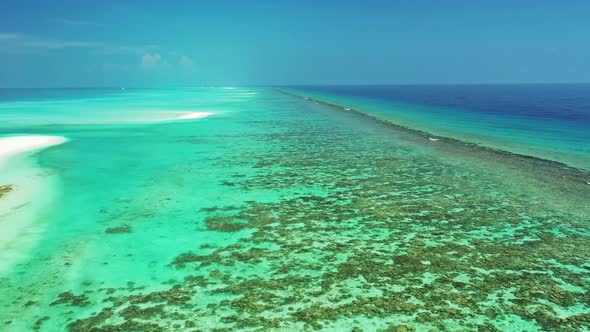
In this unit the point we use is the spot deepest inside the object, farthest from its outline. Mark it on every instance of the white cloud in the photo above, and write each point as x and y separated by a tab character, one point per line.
83	23
186	62
18	41
24	43
150	61
130	49
9	36
57	44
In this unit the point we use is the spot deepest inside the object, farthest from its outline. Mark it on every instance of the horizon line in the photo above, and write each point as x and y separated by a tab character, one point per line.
286	85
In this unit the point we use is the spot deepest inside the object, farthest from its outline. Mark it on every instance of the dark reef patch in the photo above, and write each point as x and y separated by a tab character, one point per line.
5	189
118	230
69	299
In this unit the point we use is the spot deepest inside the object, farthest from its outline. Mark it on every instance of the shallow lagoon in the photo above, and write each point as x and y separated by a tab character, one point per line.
284	214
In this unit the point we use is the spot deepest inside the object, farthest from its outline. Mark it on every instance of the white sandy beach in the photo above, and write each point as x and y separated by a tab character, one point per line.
194	115
167	116
32	192
11	146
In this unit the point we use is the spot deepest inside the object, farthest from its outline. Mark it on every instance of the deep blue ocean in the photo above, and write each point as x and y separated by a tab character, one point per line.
543	120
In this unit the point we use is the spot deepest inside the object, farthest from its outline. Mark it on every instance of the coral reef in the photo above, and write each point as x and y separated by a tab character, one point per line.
5	189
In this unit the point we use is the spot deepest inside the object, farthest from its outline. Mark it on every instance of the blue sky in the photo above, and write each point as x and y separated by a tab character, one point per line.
148	43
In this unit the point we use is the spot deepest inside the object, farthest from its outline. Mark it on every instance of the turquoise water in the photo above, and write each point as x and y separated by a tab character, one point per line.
279	213
542	120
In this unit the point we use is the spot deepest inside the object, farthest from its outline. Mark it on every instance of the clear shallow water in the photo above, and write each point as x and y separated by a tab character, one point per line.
25	107
546	121
283	214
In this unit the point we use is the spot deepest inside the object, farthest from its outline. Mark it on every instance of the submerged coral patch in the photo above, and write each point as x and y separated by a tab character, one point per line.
119	229
5	189
311	220
370	235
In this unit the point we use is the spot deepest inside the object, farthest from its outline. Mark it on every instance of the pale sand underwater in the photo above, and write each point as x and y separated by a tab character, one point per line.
28	190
